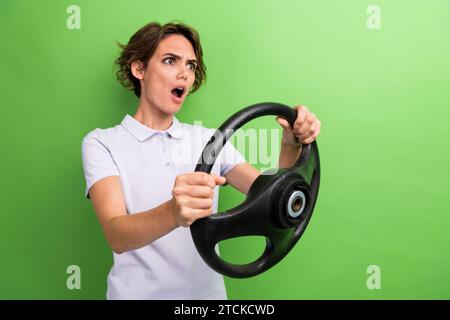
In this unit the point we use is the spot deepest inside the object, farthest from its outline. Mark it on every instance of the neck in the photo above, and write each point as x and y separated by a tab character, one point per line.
152	117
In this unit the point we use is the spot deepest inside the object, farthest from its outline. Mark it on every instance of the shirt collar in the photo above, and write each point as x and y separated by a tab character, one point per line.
141	132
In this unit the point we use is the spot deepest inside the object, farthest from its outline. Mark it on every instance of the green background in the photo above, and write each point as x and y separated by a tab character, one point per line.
382	96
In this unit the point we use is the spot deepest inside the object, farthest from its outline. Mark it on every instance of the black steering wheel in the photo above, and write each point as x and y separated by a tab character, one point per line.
278	205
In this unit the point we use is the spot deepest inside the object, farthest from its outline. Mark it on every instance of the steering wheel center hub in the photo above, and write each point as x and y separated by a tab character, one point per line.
296	204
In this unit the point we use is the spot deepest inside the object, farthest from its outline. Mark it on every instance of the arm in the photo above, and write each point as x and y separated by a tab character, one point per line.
192	199
126	232
242	176
289	155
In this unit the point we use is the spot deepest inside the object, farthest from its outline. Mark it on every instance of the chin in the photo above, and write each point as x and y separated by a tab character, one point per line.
172	109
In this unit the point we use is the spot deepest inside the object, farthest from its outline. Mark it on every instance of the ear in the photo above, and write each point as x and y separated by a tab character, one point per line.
137	69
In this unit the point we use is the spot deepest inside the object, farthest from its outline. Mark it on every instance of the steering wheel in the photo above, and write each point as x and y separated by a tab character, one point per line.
278	205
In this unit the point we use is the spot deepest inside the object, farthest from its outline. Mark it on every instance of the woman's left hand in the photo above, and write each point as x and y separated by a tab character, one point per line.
305	130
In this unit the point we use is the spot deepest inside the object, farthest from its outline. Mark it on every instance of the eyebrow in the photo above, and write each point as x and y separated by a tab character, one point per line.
179	57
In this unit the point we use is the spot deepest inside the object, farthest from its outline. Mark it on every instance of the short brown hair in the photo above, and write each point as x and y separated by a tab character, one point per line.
143	44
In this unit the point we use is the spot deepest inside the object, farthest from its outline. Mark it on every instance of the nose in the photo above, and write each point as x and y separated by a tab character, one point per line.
182	73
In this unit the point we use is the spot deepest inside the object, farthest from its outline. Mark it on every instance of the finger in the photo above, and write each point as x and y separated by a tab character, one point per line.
202	213
315	127
197	214
313	136
199	203
308	132
218	180
310	140
306	125
318	128
200	178
284	123
200	192
301	115
301	107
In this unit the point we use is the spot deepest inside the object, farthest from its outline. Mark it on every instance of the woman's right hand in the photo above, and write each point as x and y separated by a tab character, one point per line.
192	196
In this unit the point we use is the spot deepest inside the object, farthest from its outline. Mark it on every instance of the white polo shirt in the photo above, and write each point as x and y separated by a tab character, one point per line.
147	162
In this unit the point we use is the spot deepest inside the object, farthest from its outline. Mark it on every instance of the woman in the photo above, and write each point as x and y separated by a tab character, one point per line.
144	199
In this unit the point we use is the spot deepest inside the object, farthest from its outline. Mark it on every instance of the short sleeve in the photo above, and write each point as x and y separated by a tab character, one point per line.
230	157
97	160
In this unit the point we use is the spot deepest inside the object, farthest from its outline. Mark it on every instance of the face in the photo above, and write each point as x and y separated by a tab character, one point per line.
169	75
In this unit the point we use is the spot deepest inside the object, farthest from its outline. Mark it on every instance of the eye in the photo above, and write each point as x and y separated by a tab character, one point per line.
192	66
169	60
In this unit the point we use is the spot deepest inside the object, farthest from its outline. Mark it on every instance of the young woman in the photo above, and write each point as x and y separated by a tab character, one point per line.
139	173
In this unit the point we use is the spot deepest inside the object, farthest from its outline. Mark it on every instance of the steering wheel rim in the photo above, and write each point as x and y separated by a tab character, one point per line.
268	207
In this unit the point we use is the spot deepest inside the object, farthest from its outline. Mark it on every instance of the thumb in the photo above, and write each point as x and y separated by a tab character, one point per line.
284	123
219	180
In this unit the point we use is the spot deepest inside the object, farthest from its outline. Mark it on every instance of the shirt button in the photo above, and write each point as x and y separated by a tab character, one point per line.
167	164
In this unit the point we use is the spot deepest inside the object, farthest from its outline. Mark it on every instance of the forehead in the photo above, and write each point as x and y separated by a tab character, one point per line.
176	44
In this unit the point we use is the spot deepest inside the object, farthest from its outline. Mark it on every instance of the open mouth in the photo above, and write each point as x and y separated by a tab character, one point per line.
178	92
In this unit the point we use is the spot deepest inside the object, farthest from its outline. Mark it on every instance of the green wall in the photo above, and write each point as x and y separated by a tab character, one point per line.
382	96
